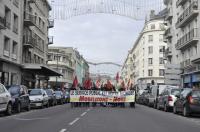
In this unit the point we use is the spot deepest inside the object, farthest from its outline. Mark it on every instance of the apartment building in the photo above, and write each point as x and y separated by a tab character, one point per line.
61	61
185	21
10	41
80	66
146	58
173	69
35	42
188	24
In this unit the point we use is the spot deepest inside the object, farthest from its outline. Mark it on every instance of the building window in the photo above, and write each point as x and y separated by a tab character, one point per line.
8	17
15	25
161	60
14	48
161	72
150	49
6	51
162	49
150	72
153	26
150	38
150	61
161	37
162	26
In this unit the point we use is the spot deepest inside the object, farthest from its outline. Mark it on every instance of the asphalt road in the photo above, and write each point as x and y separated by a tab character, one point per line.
99	119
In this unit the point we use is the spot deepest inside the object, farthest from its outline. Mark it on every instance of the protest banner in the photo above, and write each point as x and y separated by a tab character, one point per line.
101	96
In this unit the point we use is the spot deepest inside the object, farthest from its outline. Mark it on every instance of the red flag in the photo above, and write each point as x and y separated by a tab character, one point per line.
87	84
117	77
122	85
75	82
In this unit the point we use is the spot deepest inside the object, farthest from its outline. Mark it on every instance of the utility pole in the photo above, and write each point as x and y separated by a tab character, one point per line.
57	68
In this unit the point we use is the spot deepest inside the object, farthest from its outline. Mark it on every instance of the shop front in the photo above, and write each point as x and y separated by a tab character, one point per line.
196	80
187	80
37	75
10	74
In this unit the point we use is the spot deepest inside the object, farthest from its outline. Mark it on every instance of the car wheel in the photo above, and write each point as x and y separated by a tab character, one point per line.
165	108
18	110
158	107
174	109
47	105
42	106
154	105
9	109
29	107
185	111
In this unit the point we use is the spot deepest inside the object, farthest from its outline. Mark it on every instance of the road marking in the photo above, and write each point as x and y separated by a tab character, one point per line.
74	121
88	109
63	130
83	114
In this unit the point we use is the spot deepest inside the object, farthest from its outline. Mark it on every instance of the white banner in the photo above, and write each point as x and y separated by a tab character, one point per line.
101	96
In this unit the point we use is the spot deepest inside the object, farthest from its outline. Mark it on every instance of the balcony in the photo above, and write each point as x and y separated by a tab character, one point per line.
16	3
188	39
51	24
168	33
169	15
180	2
50	40
186	63
196	59
168	52
29	41
2	23
189	14
29	20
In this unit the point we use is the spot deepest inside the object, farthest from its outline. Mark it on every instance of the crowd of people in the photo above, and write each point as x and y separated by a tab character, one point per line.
98	85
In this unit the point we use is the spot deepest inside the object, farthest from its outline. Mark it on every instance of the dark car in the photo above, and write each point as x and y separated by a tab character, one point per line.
20	97
52	97
60	97
188	102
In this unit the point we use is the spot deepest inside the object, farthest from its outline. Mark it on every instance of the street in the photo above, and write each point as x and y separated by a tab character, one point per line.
98	119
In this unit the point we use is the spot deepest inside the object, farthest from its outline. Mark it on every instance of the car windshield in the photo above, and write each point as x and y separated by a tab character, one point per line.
14	90
175	91
196	94
35	92
49	92
57	92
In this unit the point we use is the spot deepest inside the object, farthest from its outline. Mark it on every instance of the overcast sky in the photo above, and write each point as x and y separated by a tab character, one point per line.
98	37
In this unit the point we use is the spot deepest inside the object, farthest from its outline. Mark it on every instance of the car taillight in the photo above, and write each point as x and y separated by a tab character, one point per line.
170	98
191	100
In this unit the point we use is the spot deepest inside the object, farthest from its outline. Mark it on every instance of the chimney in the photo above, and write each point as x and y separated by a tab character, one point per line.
152	14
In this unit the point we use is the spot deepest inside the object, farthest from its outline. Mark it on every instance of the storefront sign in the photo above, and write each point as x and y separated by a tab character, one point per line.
101	96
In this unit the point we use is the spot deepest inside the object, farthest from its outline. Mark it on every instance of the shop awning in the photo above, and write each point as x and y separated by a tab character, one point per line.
41	70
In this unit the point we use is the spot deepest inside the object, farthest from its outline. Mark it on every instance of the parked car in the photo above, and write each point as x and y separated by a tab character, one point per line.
188	102
60	97
167	98
155	91
39	98
52	97
20	97
143	97
5	100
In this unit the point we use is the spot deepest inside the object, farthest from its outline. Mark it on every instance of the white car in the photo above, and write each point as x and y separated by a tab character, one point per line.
39	98
5	100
